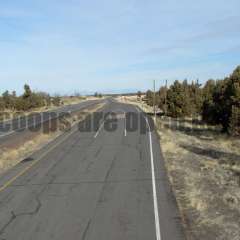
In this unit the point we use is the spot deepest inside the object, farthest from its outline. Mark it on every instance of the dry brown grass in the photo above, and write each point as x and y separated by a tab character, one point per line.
73	100
135	101
10	157
203	167
9	114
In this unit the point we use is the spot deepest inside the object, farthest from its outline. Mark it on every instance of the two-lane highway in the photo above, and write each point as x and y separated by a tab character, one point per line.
101	184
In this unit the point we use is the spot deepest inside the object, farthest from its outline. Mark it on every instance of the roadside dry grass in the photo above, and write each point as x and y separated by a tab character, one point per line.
10	156
10	114
134	100
204	169
73	100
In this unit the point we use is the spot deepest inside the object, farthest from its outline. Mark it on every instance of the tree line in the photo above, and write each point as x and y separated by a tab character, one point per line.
27	101
217	101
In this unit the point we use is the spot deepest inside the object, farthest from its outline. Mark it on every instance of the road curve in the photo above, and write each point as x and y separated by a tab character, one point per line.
93	185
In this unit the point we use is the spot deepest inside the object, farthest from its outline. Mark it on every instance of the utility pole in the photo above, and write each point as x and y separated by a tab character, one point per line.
154	99
166	98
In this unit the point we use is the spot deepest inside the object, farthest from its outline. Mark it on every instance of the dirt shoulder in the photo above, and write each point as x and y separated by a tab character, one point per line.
204	169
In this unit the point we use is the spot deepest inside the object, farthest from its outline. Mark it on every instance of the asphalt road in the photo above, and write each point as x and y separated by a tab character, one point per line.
19	124
94	185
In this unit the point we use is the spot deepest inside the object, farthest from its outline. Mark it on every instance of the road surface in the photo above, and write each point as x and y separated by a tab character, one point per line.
94	185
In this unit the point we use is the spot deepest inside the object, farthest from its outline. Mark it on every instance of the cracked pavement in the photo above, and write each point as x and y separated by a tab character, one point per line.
91	189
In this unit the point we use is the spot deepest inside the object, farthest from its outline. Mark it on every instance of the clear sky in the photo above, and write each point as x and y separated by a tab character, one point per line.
115	45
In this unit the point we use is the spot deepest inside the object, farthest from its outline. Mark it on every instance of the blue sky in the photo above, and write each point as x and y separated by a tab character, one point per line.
62	46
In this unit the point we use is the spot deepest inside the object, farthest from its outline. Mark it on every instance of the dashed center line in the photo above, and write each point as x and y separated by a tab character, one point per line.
98	131
125	125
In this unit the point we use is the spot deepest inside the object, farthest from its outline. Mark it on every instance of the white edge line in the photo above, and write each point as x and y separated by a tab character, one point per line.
99	129
125	130
155	201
